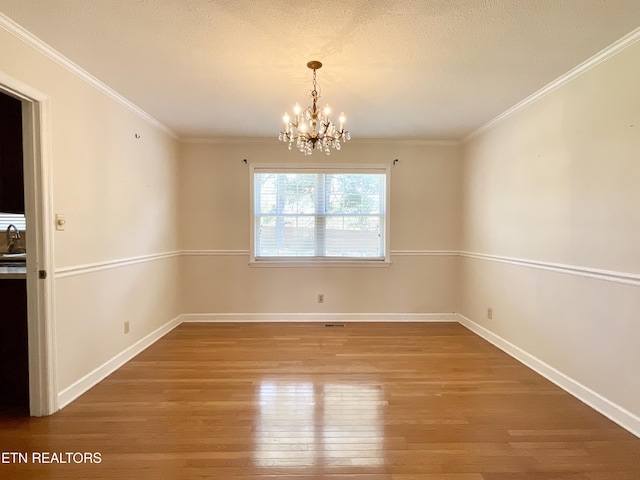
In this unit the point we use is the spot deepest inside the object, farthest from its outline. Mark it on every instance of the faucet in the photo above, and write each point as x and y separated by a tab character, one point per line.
12	237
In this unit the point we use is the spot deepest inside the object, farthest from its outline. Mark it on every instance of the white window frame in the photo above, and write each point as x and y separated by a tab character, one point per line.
318	261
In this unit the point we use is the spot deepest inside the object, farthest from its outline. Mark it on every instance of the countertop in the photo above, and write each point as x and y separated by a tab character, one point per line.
13	265
13	272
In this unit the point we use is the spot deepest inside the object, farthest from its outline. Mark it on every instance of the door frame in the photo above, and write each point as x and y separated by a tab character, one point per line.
38	191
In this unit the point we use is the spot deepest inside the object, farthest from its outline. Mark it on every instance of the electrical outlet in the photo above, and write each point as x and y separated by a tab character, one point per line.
321	298
490	313
126	327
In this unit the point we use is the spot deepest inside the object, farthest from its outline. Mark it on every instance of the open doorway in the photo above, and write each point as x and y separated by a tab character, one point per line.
14	348
38	248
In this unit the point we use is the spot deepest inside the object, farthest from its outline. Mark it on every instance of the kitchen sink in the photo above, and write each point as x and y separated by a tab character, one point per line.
13	258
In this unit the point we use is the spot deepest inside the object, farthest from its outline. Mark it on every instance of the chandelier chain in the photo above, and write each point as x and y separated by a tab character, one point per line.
314	92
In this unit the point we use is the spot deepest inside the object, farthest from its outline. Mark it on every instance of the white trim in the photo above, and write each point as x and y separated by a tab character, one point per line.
575	270
276	262
609	409
614	412
400	253
319	260
42	371
408	141
425	253
274	140
579	271
228	140
317	317
215	253
69	394
36	121
109	264
584	67
40	46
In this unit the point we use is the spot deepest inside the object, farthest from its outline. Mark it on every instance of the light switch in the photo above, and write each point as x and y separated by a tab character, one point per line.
60	222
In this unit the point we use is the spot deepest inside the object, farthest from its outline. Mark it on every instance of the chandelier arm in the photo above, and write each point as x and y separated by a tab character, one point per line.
313	129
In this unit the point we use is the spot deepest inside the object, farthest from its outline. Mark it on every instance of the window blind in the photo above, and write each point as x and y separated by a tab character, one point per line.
325	214
16	219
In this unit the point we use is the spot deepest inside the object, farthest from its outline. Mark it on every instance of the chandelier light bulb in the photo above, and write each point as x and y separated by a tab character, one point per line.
311	128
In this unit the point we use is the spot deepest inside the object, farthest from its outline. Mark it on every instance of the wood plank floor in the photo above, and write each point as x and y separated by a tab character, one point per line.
304	401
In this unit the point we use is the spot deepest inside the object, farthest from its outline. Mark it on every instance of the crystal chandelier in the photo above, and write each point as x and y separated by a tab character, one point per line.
312	128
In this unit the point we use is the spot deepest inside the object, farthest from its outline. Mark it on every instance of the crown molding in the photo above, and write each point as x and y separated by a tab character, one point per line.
408	141
27	37
34	42
581	69
269	140
212	140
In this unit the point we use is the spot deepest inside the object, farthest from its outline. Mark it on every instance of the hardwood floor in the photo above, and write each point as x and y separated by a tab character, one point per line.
304	401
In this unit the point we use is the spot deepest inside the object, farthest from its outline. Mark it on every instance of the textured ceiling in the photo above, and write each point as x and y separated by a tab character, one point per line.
410	69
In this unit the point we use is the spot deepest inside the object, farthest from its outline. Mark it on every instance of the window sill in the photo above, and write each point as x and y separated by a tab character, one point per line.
320	263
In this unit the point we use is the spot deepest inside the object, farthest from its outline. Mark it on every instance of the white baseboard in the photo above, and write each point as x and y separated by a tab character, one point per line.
319	317
72	392
69	394
606	407
609	409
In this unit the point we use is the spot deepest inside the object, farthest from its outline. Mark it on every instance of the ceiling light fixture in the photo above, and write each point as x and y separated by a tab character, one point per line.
312	128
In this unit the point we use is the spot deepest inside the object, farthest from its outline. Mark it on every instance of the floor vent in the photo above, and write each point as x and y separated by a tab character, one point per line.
334	324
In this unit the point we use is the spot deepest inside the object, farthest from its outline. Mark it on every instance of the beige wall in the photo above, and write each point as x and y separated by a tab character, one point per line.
425	202
119	197
558	183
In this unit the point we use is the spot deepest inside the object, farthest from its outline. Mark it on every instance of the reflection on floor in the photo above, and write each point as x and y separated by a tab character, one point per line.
296	401
304	424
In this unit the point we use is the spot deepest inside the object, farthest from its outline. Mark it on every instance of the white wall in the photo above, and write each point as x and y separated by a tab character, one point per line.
425	203
119	197
558	183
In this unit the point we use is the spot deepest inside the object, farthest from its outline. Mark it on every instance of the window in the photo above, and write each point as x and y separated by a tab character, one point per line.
16	219
320	214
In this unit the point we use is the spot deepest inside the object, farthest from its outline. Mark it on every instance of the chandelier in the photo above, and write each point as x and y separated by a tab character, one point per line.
312	128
